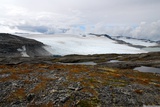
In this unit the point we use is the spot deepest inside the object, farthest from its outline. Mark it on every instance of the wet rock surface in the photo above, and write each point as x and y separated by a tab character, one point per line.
44	82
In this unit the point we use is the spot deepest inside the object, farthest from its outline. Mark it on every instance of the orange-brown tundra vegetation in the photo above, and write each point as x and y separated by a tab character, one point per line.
60	82
49	85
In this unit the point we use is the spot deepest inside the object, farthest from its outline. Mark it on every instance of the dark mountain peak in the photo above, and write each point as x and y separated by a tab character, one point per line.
16	46
99	35
127	37
9	38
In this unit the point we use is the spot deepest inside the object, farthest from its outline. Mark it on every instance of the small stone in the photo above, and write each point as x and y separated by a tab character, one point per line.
4	75
52	71
14	84
64	98
53	91
75	86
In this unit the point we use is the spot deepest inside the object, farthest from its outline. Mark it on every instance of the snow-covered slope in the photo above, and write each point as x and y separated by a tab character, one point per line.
134	41
72	44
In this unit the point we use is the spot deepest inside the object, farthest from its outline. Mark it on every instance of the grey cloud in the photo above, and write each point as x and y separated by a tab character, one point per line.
148	30
41	29
116	17
143	30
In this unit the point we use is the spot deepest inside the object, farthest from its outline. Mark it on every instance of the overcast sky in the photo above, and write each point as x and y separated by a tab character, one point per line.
137	18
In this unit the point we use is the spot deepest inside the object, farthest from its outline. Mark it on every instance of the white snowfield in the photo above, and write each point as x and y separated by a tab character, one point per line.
73	44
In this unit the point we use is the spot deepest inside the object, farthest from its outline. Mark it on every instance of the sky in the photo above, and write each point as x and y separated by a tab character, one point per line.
135	18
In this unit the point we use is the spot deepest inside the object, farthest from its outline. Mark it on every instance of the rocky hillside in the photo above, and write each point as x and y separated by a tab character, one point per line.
15	46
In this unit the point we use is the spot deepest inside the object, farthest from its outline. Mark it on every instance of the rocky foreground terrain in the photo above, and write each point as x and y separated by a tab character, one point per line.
60	82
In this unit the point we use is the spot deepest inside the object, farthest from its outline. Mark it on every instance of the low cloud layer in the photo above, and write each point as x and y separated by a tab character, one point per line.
134	18
142	30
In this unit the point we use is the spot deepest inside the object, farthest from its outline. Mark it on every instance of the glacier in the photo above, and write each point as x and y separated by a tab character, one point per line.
65	44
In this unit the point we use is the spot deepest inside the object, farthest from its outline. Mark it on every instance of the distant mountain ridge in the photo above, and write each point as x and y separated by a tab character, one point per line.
120	41
146	40
101	35
15	46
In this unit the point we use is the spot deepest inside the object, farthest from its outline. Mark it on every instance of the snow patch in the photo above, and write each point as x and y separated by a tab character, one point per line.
23	51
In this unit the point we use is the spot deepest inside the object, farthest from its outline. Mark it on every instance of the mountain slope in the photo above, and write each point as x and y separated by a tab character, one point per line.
135	41
15	46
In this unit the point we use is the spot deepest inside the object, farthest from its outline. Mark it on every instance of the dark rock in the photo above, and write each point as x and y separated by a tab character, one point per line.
30	97
98	35
12	46
158	42
16	103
